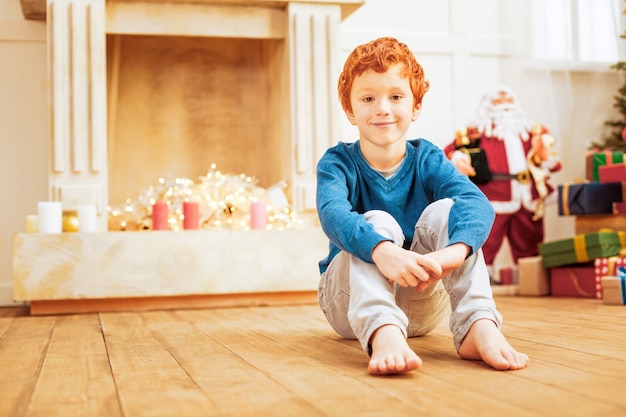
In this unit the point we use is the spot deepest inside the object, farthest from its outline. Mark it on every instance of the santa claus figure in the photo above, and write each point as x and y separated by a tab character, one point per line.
519	159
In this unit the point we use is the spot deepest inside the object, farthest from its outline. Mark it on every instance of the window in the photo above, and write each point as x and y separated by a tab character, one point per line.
580	31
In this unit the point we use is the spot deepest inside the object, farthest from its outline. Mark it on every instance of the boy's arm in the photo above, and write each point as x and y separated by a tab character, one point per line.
345	227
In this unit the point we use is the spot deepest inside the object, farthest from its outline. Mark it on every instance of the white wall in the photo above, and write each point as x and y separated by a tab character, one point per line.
465	47
23	129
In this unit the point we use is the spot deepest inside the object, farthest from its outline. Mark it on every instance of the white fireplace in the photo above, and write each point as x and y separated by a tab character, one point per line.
145	89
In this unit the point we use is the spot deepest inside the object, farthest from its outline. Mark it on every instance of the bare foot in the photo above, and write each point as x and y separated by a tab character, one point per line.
391	353
485	342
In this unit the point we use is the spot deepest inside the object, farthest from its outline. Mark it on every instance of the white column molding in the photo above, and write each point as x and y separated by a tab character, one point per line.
314	48
77	65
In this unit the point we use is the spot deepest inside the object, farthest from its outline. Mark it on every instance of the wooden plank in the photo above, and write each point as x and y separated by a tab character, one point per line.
75	378
556	321
22	350
13	311
287	360
149	380
43	307
546	379
543	379
332	388
230	384
421	391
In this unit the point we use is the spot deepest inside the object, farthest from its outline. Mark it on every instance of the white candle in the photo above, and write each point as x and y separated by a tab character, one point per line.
87	218
50	217
32	223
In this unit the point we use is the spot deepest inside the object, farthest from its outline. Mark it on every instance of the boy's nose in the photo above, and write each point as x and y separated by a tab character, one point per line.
383	107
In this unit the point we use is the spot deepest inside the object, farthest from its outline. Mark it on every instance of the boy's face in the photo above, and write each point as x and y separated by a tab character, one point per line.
382	106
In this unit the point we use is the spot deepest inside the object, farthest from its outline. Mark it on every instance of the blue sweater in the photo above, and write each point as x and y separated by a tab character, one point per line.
347	187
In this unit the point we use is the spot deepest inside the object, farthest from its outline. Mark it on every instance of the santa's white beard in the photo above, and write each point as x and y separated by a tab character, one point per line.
505	122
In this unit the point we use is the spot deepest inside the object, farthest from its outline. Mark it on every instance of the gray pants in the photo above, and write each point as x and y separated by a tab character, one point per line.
357	299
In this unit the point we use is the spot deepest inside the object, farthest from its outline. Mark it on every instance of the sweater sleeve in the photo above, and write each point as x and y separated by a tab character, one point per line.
337	199
472	215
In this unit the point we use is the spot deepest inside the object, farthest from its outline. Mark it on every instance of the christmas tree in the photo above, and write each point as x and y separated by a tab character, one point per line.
616	141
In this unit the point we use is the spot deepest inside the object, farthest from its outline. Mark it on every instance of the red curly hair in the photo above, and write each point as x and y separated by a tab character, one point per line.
378	55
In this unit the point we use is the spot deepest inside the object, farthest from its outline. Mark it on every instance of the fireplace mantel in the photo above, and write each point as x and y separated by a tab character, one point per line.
36	9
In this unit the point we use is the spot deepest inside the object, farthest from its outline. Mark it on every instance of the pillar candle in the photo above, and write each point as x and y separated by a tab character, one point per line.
159	216
32	221
87	218
258	215
191	217
50	217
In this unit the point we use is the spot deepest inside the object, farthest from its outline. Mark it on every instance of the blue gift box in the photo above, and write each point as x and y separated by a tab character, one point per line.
589	197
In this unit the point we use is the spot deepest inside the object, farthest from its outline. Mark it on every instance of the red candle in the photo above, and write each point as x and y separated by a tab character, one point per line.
191	217
258	215
159	216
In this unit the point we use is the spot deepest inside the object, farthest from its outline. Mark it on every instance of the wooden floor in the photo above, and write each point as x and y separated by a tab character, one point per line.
286	361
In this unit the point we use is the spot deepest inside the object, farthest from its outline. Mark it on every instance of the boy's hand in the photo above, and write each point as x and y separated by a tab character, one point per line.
465	167
410	269
450	258
407	268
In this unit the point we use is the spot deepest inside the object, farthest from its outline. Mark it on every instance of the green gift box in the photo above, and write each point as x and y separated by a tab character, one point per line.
582	248
596	159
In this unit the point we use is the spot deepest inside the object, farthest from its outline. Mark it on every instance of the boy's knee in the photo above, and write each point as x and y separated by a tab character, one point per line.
440	206
386	225
436	214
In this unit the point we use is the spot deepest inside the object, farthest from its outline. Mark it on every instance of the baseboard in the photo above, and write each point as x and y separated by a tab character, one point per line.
6	296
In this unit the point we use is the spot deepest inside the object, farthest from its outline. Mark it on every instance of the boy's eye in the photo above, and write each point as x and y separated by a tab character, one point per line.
368	99
396	97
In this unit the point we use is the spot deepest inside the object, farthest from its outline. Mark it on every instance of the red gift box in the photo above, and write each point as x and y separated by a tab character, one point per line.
612	173
573	281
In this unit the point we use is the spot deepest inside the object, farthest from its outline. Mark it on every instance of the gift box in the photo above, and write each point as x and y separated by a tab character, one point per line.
596	159
573	281
605	267
589	197
532	277
615	287
592	223
614	290
612	173
581	248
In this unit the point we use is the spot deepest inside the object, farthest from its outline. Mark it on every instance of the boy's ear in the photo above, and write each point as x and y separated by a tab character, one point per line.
350	117
416	112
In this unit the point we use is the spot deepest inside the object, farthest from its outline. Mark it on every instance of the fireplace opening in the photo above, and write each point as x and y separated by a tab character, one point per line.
177	104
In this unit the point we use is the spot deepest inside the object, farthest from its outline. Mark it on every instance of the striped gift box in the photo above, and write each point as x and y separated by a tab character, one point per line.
597	158
582	248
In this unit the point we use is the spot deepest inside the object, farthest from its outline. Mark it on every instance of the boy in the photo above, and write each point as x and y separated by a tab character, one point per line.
405	226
